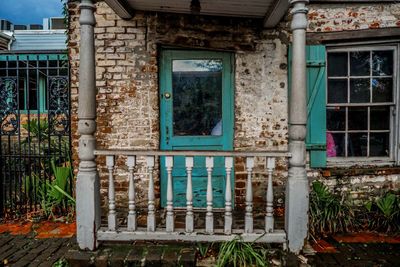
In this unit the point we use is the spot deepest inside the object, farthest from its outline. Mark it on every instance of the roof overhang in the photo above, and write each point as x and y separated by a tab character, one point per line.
271	11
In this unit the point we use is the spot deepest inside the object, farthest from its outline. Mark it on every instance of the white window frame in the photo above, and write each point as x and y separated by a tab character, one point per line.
394	154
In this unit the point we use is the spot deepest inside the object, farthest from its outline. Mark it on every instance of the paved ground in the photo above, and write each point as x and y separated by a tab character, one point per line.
21	250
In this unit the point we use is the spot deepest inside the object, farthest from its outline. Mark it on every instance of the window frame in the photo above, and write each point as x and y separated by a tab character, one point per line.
394	155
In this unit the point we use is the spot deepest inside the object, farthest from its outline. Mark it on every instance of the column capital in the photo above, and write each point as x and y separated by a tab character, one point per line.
299	12
87	13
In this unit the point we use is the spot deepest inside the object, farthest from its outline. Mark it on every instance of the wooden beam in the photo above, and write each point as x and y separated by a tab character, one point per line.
322	37
275	13
122	8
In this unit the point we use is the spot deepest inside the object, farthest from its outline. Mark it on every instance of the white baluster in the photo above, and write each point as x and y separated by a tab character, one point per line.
269	217
249	196
228	196
131	162
151	217
189	195
170	197
112	216
209	214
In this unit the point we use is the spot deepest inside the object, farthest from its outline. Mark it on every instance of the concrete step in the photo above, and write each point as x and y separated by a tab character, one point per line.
140	254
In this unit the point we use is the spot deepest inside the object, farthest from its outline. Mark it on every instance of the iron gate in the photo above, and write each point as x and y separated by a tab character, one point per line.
35	127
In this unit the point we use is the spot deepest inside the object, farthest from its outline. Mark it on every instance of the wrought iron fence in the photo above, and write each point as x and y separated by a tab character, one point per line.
35	127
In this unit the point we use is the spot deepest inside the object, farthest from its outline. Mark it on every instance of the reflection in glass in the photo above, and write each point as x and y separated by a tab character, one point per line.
360	63
337	66
379	144
359	90
357	144
336	118
358	118
337	91
335	144
379	118
197	97
382	63
382	89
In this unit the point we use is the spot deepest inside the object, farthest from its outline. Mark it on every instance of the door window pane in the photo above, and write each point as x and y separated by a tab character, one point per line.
382	89
379	144
197	97
336	118
357	145
359	91
358	118
380	117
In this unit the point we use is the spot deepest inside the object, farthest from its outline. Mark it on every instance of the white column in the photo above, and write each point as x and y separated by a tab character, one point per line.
209	214
296	218
269	217
87	185
151	215
112	215
170	195
189	195
249	196
130	162
228	196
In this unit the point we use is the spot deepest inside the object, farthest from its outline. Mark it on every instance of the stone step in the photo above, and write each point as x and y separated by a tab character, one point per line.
142	254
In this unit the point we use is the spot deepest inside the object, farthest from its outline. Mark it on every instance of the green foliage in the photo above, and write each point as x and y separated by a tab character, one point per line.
203	249
37	127
239	253
61	263
383	214
329	213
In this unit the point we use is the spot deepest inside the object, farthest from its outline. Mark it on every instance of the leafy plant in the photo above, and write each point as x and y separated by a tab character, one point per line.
383	214
239	253
329	213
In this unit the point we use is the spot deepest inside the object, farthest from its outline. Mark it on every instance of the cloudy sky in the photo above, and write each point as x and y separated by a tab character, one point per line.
29	11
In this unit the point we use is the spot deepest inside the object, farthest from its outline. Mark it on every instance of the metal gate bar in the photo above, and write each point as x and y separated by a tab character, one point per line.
35	127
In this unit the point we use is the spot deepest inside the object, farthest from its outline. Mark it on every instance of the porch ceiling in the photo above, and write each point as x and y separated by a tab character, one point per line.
270	10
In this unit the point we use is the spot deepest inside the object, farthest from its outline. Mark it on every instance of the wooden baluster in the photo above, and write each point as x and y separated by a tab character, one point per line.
269	217
228	196
249	196
209	214
170	196
189	195
151	217
112	216
130	162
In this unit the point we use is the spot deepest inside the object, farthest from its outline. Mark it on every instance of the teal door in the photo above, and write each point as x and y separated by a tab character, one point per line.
196	106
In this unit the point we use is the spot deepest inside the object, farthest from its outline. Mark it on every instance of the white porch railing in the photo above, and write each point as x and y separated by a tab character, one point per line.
210	233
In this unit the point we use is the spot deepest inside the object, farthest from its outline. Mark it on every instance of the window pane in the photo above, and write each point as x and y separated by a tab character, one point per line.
380	118
336	118
357	144
337	64
359	90
382	63
379	144
335	144
382	89
360	63
337	91
197	97
358	118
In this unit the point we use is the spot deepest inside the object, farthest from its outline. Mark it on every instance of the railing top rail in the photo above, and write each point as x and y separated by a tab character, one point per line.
118	152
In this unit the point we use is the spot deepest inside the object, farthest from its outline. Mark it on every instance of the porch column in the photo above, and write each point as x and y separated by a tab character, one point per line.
297	190
87	185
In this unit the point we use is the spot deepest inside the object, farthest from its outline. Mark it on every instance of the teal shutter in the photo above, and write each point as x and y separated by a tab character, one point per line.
316	105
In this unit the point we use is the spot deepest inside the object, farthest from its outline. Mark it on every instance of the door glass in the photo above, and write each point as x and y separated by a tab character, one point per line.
197	97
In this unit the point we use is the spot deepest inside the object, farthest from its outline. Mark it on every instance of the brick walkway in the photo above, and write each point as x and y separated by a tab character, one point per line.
22	250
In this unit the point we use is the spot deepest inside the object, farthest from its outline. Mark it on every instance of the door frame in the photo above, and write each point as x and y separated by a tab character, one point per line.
228	93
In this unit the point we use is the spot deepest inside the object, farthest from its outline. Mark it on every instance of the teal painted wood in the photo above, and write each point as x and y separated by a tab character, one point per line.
170	142
316	95
316	102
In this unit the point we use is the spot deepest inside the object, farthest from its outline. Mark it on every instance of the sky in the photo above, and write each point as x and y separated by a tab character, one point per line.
29	11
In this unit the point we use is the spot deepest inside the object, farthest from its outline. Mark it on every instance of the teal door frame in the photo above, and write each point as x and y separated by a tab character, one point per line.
168	141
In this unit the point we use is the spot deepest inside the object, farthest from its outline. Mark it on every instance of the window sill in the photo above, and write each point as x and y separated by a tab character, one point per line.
359	162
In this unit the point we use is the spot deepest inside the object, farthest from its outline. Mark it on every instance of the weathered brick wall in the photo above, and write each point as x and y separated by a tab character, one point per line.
362	182
127	84
342	17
